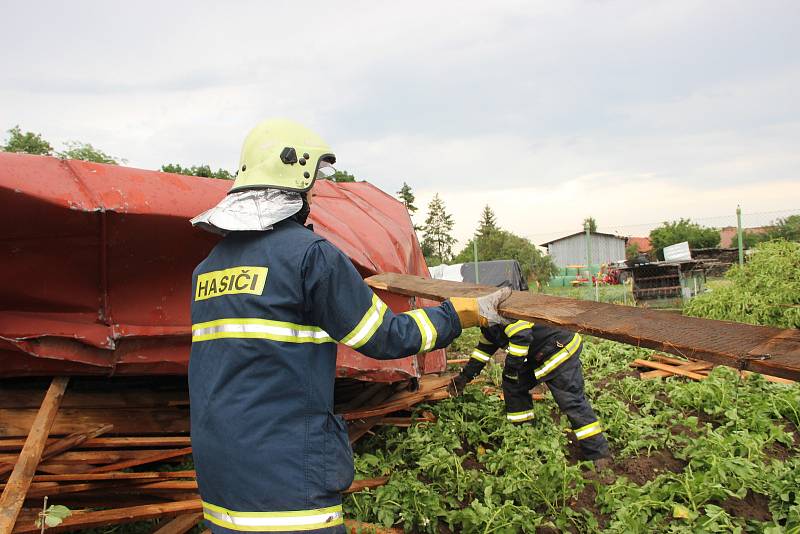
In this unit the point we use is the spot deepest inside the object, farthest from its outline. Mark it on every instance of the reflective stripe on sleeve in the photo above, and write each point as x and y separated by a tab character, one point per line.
258	328
517	350
592	429
297	520
426	329
481	356
516	327
368	325
517	417
559	357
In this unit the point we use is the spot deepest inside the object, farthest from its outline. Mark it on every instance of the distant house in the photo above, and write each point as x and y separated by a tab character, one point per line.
643	244
729	239
571	249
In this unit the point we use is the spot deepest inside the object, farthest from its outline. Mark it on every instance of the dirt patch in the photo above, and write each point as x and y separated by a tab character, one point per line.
754	506
471	463
603	382
642	469
587	500
682	430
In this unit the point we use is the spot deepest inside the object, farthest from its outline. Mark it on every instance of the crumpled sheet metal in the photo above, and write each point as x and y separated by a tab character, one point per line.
96	265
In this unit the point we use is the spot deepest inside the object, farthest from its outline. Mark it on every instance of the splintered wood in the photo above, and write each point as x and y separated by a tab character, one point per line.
762	349
73	447
696	370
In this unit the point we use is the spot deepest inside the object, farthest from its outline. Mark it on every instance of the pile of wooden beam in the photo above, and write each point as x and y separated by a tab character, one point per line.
663	366
127	450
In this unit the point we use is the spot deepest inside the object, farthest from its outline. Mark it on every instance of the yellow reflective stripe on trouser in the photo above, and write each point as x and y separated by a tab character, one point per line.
368	325
259	328
274	521
480	356
516	417
592	429
517	350
426	329
517	327
559	357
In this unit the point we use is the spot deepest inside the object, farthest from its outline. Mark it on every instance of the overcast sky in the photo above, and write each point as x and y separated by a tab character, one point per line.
632	112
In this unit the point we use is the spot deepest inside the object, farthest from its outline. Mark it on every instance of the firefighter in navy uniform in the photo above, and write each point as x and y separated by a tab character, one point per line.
269	304
538	354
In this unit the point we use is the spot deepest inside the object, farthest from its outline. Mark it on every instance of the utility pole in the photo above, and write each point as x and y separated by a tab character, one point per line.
739	232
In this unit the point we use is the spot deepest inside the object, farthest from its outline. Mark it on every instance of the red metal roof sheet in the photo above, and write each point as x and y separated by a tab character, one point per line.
96	265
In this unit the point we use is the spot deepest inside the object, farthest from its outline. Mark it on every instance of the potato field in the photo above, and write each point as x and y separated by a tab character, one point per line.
719	455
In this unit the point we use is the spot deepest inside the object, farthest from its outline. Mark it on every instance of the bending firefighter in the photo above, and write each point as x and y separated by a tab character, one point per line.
270	303
540	354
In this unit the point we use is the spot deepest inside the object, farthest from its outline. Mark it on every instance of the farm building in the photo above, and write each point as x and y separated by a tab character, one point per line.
571	249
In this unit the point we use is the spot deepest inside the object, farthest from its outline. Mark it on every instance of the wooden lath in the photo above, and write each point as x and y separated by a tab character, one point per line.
761	349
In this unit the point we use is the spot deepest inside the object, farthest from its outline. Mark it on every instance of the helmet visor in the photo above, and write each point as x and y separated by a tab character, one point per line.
325	171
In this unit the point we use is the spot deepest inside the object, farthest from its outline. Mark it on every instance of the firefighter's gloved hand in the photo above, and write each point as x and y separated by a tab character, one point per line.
481	311
459	383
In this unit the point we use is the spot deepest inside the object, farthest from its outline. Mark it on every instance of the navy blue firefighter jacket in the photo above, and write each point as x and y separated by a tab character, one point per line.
268	309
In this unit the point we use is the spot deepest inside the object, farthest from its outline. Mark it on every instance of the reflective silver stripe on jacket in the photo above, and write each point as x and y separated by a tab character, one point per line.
266	521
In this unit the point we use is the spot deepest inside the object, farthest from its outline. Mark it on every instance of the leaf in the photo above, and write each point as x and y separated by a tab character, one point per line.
52	521
680	512
60	511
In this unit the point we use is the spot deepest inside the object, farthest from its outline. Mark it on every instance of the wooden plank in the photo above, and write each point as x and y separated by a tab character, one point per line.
15	444
119	398
669	368
57	447
180	525
115	516
161	456
762	349
95	457
691	366
25	468
16	422
145	475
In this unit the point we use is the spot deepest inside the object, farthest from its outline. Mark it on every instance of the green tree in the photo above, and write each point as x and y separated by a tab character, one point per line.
86	152
342	176
197	170
787	228
765	291
670	233
406	196
592	224
488	223
27	142
501	244
632	251
437	230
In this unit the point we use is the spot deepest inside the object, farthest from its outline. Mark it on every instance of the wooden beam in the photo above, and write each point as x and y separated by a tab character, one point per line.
767	350
25	468
690	366
161	456
15	444
115	516
113	476
180	525
674	369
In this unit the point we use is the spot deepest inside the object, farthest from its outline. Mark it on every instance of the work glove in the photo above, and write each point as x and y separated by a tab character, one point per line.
459	383
482	310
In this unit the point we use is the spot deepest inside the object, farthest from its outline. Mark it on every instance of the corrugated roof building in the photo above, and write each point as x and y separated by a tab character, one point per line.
571	249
